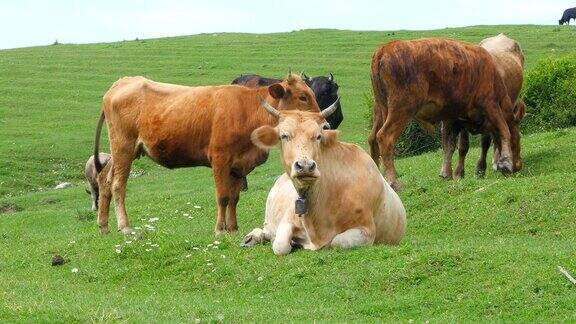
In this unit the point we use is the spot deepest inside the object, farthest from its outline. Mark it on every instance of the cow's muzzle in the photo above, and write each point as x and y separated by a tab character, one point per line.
305	170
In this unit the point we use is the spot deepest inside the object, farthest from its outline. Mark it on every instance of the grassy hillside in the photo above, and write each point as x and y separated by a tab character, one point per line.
474	249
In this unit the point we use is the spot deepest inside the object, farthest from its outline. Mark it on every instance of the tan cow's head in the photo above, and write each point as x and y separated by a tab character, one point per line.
294	94
301	136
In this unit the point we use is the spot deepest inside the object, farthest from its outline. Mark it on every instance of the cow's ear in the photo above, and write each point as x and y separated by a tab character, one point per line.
276	91
265	137
329	137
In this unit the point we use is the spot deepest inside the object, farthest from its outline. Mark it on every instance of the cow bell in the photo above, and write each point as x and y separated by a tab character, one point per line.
301	206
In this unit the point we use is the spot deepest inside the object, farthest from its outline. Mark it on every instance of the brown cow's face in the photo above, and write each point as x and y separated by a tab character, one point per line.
301	136
294	94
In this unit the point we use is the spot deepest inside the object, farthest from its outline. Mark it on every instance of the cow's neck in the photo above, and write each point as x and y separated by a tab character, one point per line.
317	221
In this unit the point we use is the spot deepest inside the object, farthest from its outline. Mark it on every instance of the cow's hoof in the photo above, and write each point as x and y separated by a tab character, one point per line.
253	238
495	166
104	229
504	165
459	175
518	165
126	230
445	175
249	241
480	173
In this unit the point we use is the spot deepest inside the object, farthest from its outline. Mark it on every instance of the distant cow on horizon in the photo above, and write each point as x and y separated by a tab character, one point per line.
567	15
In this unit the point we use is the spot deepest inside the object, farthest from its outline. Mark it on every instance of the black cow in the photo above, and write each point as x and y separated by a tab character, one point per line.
568	14
325	89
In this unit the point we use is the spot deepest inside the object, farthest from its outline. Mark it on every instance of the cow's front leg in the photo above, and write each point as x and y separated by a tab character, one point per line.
282	242
358	236
222	183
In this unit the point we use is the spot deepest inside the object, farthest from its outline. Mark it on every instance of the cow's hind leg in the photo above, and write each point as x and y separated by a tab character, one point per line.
485	141
387	136
448	132
358	236
122	164
463	146
94	196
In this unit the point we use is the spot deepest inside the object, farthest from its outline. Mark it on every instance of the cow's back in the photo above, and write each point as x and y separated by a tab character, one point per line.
174	124
437	67
509	60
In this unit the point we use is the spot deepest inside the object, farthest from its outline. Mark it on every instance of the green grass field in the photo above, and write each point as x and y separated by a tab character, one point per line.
474	249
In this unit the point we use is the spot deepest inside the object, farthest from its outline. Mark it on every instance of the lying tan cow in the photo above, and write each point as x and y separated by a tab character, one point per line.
332	193
435	79
509	60
92	176
180	126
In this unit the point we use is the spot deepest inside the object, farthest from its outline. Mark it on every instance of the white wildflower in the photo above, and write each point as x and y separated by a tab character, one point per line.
74	270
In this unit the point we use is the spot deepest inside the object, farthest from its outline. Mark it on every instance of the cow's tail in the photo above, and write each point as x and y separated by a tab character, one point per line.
380	108
97	163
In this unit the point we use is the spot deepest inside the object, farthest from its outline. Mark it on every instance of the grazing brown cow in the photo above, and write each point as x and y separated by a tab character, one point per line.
331	194
181	126
437	79
509	60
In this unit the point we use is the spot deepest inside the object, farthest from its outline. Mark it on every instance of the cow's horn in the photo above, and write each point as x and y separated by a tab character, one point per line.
268	107
330	110
303	75
331	77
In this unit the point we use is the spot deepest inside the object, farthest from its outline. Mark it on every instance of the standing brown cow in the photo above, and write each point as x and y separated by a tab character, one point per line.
437	79
509	60
181	126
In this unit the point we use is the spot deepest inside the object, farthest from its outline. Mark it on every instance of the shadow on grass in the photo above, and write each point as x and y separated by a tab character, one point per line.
538	163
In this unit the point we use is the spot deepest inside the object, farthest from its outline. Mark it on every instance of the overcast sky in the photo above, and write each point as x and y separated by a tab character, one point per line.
35	22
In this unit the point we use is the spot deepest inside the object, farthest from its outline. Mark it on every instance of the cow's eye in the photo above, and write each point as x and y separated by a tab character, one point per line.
303	98
318	137
326	126
284	137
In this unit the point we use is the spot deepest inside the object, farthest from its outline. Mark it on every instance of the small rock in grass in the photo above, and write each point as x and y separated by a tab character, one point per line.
58	260
63	185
